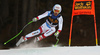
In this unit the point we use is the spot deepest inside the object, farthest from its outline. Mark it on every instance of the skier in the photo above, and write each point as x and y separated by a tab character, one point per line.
53	20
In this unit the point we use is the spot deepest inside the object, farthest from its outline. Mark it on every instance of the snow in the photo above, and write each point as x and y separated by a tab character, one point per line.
75	50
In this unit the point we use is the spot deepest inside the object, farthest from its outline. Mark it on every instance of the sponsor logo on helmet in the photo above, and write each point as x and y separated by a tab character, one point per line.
57	7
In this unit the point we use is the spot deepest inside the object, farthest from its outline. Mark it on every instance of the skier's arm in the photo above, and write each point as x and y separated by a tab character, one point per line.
60	25
41	16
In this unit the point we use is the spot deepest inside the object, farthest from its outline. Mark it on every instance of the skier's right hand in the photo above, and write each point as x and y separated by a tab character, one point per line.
34	19
57	34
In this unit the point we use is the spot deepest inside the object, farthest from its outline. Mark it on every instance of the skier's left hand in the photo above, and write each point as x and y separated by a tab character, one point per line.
34	19
57	34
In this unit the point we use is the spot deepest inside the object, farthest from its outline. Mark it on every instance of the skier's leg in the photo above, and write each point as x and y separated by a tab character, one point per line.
34	33
46	34
28	36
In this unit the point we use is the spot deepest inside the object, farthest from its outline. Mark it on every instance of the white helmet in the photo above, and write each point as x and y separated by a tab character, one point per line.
57	7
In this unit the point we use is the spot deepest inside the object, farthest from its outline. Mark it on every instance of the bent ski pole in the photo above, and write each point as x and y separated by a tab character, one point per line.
18	33
57	41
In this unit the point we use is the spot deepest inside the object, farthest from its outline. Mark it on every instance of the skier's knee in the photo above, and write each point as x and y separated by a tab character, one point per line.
40	29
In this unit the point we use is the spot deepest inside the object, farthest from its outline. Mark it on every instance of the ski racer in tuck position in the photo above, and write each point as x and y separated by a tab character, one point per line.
48	28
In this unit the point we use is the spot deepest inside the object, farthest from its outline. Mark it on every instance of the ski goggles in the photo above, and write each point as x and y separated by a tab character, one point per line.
56	11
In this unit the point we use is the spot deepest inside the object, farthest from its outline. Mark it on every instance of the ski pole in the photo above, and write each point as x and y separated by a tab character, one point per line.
18	33
57	41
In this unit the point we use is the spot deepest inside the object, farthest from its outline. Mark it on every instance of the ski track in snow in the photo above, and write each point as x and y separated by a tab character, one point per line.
76	50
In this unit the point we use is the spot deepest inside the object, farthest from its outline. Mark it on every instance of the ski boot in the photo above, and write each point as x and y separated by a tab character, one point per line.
22	39
38	38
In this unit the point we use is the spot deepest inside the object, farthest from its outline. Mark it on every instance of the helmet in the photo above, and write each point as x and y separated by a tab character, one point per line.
57	7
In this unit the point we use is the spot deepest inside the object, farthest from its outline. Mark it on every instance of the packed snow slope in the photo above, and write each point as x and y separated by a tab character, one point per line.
90	50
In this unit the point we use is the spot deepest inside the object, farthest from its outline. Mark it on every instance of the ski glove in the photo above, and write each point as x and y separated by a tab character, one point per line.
57	34
34	19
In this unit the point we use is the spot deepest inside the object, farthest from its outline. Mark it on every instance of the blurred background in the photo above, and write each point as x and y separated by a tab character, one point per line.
14	14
